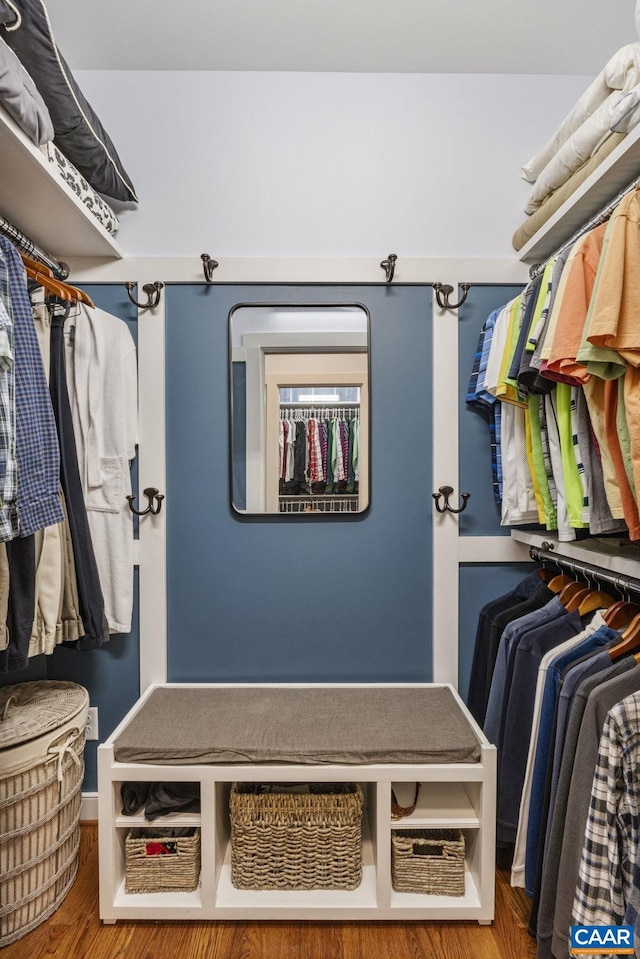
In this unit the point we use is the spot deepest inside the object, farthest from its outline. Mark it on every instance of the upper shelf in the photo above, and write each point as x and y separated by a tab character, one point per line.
615	173
42	205
613	555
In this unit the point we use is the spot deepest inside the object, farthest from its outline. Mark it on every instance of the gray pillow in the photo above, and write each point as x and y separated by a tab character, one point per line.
25	26
20	98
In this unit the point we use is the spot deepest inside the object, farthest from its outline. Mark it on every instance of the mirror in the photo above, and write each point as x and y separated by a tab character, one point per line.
299	379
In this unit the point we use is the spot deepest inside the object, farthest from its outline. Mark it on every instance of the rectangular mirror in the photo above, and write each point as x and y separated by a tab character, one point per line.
299	379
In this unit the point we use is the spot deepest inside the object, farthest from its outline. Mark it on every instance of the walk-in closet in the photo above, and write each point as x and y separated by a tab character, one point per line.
319	459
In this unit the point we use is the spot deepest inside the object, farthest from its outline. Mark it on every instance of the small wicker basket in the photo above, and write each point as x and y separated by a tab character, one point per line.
296	840
428	861
157	861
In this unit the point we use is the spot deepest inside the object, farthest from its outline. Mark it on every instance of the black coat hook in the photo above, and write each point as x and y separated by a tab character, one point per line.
445	492
389	266
443	291
153	295
152	494
208	265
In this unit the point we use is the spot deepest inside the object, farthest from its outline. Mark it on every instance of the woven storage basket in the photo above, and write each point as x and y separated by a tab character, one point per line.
428	861
42	733
175	871
294	840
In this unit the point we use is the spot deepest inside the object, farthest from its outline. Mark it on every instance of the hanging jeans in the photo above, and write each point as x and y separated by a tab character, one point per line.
89	592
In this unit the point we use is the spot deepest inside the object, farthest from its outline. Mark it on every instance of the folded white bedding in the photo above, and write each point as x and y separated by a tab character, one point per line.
580	146
621	73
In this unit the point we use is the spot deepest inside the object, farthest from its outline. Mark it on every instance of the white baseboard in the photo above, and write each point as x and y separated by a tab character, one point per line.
89	807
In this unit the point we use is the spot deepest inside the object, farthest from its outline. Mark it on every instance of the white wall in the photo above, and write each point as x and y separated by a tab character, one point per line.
308	164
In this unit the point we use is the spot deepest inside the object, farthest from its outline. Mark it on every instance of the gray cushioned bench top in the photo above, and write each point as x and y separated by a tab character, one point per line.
190	725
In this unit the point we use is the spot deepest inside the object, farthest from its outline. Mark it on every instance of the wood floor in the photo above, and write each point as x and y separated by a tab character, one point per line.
75	932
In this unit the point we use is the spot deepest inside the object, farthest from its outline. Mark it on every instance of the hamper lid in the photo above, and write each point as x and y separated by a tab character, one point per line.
28	710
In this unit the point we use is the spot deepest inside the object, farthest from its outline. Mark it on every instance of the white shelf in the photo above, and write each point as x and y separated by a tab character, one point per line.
159	905
228	897
439	806
454	795
40	204
171	820
448	906
612	176
613	555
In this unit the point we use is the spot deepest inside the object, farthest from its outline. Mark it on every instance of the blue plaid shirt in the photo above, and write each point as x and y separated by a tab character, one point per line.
37	450
485	401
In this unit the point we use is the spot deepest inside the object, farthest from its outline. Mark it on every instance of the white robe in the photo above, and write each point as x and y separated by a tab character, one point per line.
103	391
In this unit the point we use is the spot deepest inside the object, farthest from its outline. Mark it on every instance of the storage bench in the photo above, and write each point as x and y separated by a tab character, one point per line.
378	736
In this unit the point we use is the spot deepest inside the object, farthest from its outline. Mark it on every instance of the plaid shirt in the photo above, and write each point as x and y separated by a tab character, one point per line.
486	402
605	881
9	525
37	450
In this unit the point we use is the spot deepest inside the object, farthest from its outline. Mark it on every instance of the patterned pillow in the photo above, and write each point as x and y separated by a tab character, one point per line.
93	202
25	26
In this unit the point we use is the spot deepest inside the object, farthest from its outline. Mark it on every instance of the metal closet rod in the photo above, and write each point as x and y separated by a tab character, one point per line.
59	269
623	583
596	220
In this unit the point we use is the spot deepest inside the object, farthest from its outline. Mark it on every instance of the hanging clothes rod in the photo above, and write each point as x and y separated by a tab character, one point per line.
623	583
59	269
596	220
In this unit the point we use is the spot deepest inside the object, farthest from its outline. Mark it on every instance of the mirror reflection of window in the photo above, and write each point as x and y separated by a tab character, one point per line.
300	409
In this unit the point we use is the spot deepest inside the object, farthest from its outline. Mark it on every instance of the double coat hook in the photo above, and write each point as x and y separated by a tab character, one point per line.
444	290
152	290
152	495
445	492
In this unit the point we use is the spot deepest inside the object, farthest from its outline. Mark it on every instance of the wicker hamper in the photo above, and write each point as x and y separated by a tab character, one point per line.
162	861
42	733
305	838
428	861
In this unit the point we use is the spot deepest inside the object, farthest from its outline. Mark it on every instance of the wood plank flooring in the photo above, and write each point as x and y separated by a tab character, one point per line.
75	932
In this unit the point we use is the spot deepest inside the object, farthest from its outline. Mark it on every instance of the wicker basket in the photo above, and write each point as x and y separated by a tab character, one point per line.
39	800
428	861
296	840
175	869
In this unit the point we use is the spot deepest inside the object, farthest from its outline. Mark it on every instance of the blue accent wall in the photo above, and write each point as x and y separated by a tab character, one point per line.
482	516
312	598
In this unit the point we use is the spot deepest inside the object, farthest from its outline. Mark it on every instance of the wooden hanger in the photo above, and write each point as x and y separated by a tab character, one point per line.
597	599
559	582
44	277
573	603
570	590
620	614
630	640
545	574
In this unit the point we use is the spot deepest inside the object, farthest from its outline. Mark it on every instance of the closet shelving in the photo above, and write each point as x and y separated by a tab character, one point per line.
616	556
612	176
452	795
40	204
308	502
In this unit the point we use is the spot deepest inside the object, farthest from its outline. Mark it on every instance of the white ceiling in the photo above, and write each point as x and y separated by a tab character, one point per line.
404	36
